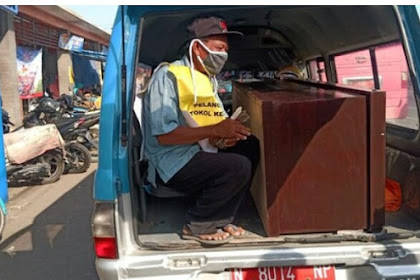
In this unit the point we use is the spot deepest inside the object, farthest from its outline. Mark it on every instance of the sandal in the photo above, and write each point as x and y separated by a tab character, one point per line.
188	235
236	228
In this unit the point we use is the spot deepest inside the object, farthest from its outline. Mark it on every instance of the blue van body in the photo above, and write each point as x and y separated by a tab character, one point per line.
4	197
112	185
112	174
4	194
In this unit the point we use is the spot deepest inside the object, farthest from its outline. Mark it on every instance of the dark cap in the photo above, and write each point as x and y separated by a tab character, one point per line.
208	26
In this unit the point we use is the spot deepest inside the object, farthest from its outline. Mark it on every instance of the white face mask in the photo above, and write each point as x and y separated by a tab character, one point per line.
213	64
214	61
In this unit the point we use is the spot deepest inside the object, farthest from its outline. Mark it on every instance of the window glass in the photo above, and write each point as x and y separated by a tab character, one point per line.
143	75
355	69
401	108
313	67
317	69
321	70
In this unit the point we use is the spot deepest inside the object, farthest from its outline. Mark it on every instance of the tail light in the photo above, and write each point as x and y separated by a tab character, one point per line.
103	231
404	80
106	247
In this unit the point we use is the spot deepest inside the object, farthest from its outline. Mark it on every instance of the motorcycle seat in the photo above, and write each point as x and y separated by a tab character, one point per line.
60	123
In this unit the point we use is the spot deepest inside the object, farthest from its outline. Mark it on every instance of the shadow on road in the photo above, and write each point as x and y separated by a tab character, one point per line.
58	245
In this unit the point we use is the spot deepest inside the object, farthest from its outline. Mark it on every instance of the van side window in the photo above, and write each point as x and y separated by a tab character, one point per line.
317	70
143	75
355	69
322	71
401	108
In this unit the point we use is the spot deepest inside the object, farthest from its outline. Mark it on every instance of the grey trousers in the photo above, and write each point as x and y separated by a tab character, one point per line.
219	181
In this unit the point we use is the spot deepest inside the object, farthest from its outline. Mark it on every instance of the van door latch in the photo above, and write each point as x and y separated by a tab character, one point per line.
182	263
386	254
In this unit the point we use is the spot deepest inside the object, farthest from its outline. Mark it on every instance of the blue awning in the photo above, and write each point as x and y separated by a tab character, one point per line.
10	8
99	56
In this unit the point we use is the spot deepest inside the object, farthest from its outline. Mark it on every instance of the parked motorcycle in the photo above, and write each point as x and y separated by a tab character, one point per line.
6	121
72	127
86	134
44	169
72	106
34	156
78	158
75	134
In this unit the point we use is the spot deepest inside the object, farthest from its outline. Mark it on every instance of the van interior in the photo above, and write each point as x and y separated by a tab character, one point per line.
275	37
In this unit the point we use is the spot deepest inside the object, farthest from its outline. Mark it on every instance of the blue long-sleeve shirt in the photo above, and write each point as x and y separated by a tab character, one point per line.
161	115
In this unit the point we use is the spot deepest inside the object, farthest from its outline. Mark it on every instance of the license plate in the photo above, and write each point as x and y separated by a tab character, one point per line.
326	272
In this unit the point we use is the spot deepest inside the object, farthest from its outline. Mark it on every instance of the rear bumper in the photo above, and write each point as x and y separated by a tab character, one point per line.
107	269
341	273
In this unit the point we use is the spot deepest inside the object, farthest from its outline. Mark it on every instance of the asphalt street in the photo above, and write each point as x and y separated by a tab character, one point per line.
48	234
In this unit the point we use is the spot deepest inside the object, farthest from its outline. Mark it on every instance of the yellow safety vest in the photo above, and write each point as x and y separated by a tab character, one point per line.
207	110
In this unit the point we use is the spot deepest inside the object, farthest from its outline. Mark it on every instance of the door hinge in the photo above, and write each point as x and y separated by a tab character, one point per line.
123	85
118	186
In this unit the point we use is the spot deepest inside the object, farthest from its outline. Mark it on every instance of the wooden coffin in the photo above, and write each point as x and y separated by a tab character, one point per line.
314	171
376	142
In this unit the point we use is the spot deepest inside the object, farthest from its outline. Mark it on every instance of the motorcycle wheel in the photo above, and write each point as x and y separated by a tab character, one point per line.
94	156
93	144
56	162
79	158
93	153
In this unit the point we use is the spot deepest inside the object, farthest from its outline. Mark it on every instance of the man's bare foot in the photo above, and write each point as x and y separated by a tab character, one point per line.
234	230
218	236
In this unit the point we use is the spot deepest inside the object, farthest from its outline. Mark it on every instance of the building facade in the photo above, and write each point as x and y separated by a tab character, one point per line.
40	30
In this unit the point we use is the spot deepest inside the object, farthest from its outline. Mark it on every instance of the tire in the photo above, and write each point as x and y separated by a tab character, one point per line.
55	160
94	157
79	157
93	150
93	154
2	222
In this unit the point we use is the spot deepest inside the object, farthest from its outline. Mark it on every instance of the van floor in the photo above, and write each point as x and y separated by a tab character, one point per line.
166	216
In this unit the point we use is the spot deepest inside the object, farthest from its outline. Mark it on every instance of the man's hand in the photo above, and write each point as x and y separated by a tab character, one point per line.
222	143
214	141
230	142
231	129
227	129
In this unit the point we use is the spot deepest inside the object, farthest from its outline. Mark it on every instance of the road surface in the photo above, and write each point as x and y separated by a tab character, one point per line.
48	234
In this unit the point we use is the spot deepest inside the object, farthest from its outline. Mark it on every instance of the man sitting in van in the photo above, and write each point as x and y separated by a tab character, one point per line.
191	144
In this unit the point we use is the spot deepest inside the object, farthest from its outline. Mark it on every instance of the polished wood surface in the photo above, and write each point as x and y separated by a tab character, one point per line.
375	108
313	174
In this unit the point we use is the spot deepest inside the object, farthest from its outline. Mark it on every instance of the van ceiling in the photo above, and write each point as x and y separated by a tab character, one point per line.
294	32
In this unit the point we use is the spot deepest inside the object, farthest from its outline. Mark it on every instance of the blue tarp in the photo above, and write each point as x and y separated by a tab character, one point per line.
84	72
